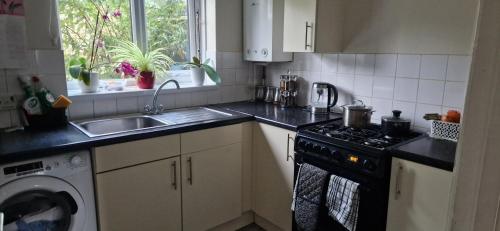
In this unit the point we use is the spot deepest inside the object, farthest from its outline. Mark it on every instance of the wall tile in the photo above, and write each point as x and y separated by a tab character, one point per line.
458	68
345	86
3	82
242	77
199	98
433	67
382	107
229	59
168	100
81	109
365	64
383	87
144	100
125	105
329	77
307	62
346	64
363	85
228	76
329	63
408	66
213	97
104	106
430	92
406	89
385	64
423	109
454	94
12	82
407	109
183	100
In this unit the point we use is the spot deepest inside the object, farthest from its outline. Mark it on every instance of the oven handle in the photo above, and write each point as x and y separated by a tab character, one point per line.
288	156
397	193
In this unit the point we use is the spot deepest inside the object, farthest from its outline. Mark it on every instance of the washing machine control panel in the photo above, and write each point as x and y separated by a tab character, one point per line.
60	165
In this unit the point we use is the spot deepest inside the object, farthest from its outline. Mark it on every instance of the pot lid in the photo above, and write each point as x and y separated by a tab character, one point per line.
395	117
357	107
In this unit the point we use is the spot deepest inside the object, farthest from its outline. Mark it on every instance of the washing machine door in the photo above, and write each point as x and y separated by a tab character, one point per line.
41	203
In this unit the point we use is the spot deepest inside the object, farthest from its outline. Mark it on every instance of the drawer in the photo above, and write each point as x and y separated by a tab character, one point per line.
135	152
210	138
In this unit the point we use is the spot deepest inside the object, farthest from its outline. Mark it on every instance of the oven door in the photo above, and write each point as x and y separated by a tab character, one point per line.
372	212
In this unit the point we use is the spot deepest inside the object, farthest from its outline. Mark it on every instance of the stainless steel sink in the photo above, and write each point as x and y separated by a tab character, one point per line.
118	125
191	115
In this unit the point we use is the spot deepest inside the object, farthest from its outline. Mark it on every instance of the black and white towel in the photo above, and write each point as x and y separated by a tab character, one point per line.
342	201
309	188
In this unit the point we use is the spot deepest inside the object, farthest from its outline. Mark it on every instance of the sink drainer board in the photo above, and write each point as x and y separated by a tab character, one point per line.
118	125
191	115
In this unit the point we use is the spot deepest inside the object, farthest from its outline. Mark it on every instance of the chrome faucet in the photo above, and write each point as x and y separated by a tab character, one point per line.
158	109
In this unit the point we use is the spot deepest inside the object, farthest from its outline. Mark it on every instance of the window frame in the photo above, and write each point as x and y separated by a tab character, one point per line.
139	27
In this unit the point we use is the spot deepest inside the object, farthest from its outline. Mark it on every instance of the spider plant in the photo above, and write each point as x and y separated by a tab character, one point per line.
150	61
196	63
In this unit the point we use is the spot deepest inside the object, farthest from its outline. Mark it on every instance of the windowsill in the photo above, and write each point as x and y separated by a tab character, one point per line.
135	91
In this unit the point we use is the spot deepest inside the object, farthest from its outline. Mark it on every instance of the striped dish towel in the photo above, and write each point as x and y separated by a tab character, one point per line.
342	201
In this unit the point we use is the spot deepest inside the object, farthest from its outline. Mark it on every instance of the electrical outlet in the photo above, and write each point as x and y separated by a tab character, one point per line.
7	102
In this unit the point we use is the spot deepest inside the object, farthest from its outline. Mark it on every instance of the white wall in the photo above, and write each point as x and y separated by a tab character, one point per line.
415	84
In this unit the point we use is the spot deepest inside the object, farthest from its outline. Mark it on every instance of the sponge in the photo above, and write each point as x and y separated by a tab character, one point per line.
61	102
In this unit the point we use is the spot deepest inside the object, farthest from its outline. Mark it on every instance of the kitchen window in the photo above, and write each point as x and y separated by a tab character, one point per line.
151	24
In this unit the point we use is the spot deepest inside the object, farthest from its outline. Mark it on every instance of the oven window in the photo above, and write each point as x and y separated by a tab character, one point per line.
38	210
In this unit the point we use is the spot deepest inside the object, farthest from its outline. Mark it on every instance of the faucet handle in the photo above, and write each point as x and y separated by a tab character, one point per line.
148	109
159	109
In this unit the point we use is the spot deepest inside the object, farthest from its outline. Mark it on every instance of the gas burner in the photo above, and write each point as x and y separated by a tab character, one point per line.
372	136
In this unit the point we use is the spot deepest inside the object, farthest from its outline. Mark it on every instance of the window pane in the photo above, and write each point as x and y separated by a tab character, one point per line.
77	22
168	27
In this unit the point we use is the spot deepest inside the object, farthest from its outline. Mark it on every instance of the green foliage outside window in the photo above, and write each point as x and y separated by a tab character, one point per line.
167	28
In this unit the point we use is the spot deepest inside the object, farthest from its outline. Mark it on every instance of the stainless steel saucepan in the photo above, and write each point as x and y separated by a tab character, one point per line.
357	115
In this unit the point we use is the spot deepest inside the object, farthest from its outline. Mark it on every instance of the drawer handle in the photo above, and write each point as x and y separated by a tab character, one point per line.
174	181
307	30
190	175
398	192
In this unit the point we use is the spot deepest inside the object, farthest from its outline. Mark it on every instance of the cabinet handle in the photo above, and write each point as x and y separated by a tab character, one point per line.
190	175
288	156
174	181
1	221
397	193
307	30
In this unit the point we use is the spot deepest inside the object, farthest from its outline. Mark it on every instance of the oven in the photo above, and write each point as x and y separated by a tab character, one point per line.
371	169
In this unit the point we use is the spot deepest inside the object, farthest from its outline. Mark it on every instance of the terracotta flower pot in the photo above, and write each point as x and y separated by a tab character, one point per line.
146	80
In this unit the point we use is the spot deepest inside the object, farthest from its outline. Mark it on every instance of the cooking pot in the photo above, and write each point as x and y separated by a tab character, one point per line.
395	126
357	116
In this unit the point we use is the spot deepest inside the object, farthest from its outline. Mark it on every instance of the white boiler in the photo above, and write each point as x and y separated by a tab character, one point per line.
263	31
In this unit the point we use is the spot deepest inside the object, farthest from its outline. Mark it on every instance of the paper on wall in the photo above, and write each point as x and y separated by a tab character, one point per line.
12	34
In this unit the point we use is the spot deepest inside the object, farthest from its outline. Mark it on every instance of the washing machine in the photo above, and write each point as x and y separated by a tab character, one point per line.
54	193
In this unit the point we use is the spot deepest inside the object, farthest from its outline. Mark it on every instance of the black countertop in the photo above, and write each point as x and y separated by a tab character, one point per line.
428	151
288	118
22	145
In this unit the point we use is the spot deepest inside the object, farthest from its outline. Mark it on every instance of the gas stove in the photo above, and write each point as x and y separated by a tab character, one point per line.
370	137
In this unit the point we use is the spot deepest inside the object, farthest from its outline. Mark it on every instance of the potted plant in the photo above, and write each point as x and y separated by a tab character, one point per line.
88	80
198	70
147	63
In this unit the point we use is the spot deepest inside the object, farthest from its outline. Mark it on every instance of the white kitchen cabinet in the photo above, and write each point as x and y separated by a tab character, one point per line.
273	174
142	197
312	26
211	187
419	197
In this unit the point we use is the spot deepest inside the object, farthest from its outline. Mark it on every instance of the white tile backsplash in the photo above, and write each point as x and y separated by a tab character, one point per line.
125	105
430	92
406	89
408	66
415	84
433	67
105	106
365	64
458	68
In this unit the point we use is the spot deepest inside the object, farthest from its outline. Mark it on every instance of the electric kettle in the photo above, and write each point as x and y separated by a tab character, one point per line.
323	97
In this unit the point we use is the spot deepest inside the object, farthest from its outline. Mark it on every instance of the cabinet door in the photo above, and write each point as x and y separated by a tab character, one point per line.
211	187
419	197
273	174
299	25
142	197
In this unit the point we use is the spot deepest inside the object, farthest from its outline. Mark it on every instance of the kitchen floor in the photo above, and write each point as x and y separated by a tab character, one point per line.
251	227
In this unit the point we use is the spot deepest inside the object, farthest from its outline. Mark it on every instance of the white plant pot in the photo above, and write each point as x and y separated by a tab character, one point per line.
198	76
93	84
